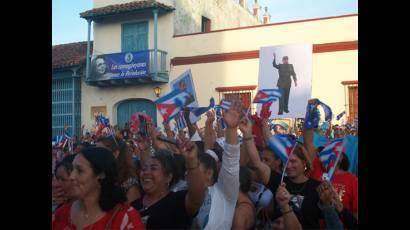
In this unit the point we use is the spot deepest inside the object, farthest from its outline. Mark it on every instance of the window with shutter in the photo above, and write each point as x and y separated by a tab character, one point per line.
134	36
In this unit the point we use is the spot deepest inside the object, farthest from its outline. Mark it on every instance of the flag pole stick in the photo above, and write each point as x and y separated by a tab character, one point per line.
286	165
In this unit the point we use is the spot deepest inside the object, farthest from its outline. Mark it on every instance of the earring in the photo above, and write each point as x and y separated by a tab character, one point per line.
305	168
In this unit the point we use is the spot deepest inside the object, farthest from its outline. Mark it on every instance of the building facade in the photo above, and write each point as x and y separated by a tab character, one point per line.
68	74
222	56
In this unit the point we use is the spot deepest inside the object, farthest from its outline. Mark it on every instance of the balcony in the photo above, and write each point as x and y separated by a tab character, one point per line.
128	68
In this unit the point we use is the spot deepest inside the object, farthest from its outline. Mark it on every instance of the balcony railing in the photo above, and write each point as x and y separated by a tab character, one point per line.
161	62
156	72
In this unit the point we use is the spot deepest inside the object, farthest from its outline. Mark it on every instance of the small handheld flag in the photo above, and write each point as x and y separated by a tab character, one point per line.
196	112
267	95
316	113
225	105
180	120
330	156
281	145
219	118
171	104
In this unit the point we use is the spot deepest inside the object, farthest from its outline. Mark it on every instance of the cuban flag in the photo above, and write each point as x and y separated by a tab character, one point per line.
171	104
330	152
196	112
225	105
267	95
281	145
340	115
180	120
219	118
316	113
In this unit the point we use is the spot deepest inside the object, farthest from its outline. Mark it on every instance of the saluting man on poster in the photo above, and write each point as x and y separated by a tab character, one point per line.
284	82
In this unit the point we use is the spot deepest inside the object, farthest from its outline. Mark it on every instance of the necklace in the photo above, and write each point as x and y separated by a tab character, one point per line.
145	206
85	218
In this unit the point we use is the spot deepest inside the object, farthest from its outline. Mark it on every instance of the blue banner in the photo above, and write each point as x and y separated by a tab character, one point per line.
120	66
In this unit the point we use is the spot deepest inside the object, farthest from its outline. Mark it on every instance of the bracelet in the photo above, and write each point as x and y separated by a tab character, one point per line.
192	168
247	138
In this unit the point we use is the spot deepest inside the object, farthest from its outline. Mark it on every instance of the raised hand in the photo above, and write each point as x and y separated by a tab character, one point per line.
282	196
336	200
189	150
210	117
233	116
325	193
245	126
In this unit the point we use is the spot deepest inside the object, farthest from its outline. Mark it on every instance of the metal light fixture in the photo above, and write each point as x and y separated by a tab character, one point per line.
157	91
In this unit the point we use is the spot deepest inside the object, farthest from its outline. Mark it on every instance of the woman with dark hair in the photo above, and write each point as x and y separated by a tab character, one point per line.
245	212
161	208
62	185
209	168
100	202
127	177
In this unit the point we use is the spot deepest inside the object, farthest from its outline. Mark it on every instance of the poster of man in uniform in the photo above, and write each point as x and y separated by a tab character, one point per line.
185	83
289	68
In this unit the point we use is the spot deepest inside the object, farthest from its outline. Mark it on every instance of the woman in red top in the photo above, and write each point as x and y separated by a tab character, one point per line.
100	203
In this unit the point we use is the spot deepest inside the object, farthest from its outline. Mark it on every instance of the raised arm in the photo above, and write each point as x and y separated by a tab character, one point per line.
262	169
228	178
308	138
210	135
266	130
226	189
195	179
274	61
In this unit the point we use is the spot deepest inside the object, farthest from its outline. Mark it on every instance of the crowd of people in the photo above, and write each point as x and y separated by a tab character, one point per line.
212	177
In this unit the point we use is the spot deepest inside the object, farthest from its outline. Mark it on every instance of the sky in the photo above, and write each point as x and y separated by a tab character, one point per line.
67	26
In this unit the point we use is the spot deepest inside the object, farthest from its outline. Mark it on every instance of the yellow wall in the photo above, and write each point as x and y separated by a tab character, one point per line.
329	69
315	32
107	35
